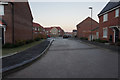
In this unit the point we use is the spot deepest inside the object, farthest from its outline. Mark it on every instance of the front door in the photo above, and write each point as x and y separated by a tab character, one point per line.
116	35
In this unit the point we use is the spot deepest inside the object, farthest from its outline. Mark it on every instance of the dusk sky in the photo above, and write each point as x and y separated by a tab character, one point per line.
64	14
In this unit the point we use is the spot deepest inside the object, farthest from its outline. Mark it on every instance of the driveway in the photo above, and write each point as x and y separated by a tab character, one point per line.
69	58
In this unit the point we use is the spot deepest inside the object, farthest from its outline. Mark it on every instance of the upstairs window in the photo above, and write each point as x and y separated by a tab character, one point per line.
117	13
38	29
35	29
105	17
2	10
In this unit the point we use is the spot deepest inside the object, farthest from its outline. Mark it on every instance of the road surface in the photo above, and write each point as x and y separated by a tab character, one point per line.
68	58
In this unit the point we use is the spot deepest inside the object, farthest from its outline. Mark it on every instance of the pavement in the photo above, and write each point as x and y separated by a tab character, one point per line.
103	45
23	57
72	59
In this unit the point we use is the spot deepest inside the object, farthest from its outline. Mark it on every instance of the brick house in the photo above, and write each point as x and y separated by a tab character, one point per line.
74	33
47	30
84	29
16	21
109	22
54	31
38	31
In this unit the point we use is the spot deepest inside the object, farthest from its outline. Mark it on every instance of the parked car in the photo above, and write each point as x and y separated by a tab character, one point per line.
65	36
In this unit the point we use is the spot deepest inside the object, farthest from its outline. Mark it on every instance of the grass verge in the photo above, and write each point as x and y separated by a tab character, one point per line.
10	51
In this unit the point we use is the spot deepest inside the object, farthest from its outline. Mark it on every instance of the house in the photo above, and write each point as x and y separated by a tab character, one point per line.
74	33
16	22
47	31
54	31
69	34
109	22
38	31
84	29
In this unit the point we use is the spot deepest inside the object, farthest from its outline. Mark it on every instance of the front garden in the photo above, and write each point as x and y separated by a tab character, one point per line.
19	46
103	41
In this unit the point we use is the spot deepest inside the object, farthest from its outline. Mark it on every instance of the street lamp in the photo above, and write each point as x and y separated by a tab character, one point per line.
91	20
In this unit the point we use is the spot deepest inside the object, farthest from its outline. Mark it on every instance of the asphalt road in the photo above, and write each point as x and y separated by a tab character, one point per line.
72	59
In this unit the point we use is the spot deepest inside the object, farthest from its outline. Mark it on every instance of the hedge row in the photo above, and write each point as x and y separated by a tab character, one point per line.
20	43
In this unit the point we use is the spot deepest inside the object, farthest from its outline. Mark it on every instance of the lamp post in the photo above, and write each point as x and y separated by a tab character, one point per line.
91	20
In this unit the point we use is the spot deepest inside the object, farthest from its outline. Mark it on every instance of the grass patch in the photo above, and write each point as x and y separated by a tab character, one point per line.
8	51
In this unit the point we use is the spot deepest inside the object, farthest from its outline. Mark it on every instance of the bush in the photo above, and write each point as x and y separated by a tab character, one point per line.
84	38
101	41
8	45
20	43
118	40
37	39
29	41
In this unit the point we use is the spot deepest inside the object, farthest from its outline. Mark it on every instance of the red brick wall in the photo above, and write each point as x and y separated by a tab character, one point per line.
112	21
8	19
22	22
86	26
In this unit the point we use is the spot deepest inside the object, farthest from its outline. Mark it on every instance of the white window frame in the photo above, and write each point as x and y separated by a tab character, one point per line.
105	35
38	29
97	34
2	10
35	28
117	13
105	17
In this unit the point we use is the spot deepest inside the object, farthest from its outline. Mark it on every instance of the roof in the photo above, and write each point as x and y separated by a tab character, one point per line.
49	28
88	18
37	25
110	6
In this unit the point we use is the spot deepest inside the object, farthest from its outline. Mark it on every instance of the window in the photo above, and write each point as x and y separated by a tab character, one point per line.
38	29
104	32
105	17
35	29
0	25
97	34
1	9
117	13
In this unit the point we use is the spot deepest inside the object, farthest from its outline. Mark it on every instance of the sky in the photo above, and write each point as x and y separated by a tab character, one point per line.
64	14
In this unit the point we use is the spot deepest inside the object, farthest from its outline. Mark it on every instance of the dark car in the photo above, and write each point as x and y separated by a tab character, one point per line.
65	36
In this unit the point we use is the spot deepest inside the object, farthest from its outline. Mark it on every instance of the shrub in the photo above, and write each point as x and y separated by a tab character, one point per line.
29	41
8	45
84	38
37	39
101	41
20	43
118	40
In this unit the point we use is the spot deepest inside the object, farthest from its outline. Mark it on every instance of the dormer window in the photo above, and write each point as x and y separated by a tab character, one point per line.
117	13
105	17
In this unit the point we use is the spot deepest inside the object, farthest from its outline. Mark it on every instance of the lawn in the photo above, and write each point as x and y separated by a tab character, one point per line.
19	49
